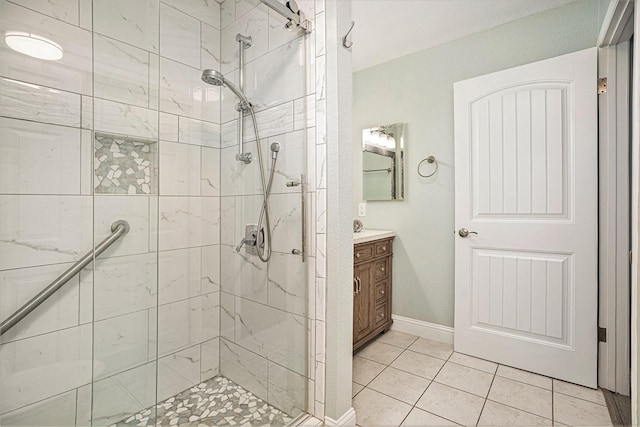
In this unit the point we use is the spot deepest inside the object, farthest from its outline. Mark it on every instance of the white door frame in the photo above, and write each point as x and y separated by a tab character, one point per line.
614	135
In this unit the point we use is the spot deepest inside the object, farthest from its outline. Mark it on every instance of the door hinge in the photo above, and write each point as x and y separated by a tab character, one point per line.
602	334
602	85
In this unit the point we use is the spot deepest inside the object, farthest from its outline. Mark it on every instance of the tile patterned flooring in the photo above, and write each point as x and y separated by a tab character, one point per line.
400	379
215	402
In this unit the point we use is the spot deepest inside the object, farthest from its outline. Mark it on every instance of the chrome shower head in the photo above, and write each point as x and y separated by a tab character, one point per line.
275	147
216	78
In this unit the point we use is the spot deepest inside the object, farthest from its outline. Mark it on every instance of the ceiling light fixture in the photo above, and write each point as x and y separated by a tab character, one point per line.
33	45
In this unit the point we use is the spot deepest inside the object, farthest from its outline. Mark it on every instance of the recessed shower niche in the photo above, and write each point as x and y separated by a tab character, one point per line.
124	165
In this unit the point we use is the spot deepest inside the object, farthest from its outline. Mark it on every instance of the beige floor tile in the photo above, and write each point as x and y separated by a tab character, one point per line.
400	385
465	378
418	364
418	417
521	396
380	352
399	339
577	412
452	404
524	377
474	362
432	348
580	392
355	388
497	414
376	409
364	370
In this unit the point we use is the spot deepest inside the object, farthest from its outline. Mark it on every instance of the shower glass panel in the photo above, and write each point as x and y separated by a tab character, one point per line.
121	127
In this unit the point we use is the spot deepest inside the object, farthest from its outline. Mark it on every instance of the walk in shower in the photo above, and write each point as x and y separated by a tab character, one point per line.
105	120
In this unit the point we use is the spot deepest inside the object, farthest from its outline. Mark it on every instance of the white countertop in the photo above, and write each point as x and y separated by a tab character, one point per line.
369	235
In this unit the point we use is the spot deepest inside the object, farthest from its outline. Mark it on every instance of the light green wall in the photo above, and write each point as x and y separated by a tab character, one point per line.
418	90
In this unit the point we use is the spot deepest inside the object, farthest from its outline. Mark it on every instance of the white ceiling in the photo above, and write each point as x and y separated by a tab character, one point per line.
389	29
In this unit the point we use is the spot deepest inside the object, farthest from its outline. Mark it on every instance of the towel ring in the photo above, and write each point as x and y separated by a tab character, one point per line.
430	159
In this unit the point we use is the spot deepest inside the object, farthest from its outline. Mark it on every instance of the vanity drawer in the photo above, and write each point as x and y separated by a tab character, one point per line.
381	314
363	252
381	269
382	290
383	248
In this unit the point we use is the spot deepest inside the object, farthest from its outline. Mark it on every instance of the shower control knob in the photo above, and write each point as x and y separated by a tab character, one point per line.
463	232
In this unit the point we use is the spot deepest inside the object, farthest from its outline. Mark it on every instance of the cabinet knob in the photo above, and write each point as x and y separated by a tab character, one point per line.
384	248
381	268
382	292
358	255
382	315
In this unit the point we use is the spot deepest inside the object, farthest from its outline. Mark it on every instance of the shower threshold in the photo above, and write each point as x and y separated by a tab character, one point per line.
217	401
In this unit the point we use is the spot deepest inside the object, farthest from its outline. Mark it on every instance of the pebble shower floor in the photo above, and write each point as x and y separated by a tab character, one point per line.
218	401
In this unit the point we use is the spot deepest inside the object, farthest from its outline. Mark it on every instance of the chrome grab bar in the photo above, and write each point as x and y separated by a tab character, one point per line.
118	229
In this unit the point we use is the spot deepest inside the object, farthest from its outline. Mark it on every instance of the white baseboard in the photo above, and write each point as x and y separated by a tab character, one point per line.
422	329
347	419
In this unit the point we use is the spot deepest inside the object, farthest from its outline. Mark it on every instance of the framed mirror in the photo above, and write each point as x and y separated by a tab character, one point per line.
383	162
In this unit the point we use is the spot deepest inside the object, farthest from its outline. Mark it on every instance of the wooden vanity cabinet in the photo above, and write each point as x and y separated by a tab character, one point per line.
371	290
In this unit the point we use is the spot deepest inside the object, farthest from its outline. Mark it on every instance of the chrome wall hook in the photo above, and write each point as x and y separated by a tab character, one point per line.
345	43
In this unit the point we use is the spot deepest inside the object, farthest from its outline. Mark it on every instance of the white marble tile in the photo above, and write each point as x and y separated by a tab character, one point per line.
521	396
36	103
71	73
580	392
117	397
465	378
286	389
121	72
198	132
319	350
321	166
365	370
86	162
278	33
321	251
319	389
179	36
124	119
27	238
229	101
227	316
64	10
238	178
179	169
83	405
245	6
168	127
418	364
320	78
573	411
321	211
287	283
452	404
236	212
399	384
121	343
227	13
58	312
210	46
124	285
37	158
210	359
254	24
134	210
188	222
243	367
229	134
320	34
279	336
135	23
376	409
276	77
205	10
182	92
273	121
320	298
179	274
86	112
474	362
432	348
86	14
210	172
299	112
319	6
178	372
37	368
154	81
285	222
524	377
185	323
399	339
495	414
290	162
56	411
380	352
210	272
418	417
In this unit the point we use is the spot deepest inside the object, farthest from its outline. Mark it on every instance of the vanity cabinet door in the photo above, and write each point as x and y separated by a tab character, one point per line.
363	301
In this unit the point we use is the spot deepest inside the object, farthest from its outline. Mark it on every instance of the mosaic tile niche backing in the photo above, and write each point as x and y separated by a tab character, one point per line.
124	165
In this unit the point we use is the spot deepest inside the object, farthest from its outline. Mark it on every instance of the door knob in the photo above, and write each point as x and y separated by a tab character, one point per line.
463	232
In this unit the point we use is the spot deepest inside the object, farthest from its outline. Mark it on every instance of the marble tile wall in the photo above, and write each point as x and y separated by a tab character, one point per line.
272	316
130	73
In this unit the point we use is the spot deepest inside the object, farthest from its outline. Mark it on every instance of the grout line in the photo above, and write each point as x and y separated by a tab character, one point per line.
553	394
486	397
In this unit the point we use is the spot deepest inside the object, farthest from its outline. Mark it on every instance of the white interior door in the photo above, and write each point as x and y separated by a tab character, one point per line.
527	184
